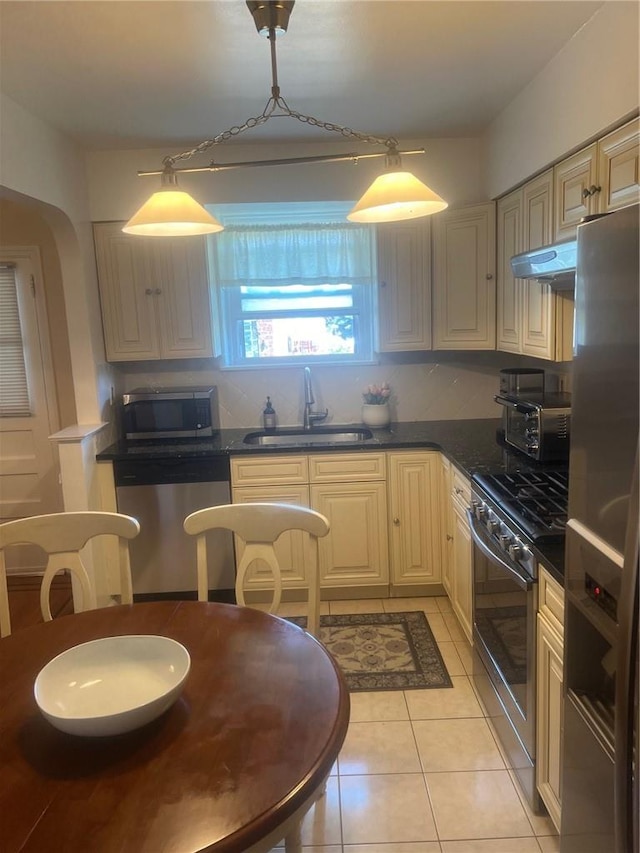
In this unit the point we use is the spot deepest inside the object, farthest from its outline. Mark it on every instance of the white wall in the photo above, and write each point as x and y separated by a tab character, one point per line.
590	85
38	163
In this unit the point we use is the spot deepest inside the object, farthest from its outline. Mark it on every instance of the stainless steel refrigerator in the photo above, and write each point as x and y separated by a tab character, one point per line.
601	717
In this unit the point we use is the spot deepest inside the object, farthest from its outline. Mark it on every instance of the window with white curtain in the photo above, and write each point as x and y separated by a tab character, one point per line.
14	389
296	283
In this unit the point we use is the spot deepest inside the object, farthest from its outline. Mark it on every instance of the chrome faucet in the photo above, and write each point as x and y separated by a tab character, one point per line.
310	417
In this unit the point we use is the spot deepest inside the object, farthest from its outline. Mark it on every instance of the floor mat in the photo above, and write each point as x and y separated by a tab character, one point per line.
383	651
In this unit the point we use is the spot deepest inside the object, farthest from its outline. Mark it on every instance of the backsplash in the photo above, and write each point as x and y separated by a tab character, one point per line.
442	389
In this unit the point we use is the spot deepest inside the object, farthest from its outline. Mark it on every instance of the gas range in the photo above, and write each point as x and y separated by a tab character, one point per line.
535	501
520	510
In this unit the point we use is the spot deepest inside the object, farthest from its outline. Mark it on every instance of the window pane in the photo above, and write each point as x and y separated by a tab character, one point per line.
297	297
14	391
298	336
306	303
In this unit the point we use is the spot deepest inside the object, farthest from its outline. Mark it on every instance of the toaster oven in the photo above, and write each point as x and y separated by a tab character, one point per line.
539	427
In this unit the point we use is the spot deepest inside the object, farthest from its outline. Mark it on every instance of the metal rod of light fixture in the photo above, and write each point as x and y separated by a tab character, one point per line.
246	164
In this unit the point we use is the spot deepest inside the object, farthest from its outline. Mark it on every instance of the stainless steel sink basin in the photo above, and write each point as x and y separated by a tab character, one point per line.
294	437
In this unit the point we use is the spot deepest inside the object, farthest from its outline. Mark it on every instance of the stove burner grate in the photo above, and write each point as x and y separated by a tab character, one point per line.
535	501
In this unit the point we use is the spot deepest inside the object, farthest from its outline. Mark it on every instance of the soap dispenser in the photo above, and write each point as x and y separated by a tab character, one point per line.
269	415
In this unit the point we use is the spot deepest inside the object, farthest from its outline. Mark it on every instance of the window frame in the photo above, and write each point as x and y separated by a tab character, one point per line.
364	296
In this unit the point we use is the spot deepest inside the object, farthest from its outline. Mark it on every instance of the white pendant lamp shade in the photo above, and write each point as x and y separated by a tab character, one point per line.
171	212
395	196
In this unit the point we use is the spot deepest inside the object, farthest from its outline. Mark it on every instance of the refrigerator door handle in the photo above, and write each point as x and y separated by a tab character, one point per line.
625	677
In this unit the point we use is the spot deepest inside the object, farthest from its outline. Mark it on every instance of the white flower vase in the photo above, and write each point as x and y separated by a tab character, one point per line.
376	415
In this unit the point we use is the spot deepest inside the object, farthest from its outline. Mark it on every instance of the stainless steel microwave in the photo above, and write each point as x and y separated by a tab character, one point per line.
539	427
170	413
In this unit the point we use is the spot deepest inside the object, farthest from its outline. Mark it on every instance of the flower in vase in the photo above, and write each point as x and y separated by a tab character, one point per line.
376	395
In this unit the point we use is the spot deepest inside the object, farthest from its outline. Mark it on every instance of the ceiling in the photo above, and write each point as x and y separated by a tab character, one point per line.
117	74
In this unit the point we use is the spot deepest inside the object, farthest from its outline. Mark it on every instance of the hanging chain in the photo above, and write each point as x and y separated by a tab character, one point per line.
277	102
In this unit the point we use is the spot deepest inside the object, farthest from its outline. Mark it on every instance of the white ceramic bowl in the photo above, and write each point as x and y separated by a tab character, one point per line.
112	685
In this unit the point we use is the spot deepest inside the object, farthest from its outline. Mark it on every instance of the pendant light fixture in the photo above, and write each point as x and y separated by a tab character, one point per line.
393	196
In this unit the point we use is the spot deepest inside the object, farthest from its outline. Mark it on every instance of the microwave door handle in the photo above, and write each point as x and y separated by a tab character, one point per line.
523	581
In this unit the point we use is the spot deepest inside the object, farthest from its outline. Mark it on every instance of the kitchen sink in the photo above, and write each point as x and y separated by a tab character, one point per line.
295	437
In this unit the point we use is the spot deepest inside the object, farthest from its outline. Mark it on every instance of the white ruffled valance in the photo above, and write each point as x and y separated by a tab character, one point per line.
254	255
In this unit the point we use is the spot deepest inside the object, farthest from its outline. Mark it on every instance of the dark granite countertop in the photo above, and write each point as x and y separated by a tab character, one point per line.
473	446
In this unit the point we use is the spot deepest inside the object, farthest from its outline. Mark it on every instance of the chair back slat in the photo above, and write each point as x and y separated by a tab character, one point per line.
62	535
259	525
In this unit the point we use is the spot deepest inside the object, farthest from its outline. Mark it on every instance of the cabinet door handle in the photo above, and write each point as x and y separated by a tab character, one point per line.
449	537
592	190
148	291
157	291
383	284
396	521
458	491
489	276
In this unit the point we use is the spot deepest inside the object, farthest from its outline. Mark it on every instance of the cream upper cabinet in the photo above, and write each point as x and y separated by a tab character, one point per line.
414	492
532	319
619	167
464	286
602	177
537	220
574	191
508	289
549	717
154	295
404	281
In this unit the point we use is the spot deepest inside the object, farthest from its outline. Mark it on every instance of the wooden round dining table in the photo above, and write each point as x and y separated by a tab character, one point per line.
233	765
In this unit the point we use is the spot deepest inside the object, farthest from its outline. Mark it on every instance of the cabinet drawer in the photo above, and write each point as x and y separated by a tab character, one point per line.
268	470
347	467
551	600
460	487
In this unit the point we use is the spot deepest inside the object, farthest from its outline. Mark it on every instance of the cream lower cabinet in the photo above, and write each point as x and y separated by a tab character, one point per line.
446	523
549	719
282	479
461	580
415	541
350	489
154	295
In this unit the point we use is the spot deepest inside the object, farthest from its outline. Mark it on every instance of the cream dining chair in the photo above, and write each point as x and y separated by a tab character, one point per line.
62	535
259	525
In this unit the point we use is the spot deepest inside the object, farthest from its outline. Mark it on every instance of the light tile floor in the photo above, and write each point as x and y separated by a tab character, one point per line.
421	771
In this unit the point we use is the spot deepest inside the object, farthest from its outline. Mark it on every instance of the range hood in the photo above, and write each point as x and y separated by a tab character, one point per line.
554	265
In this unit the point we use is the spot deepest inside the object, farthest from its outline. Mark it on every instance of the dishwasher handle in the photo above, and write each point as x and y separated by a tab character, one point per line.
167	470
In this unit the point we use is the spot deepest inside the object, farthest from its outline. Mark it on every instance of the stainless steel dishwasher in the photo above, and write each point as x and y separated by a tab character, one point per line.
160	493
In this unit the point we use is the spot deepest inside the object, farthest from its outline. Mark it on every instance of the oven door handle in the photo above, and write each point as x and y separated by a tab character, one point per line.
524	581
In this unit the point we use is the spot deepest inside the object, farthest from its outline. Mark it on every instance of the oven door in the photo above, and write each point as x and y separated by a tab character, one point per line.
504	620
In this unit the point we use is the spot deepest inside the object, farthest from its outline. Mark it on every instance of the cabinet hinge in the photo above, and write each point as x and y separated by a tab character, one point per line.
33	286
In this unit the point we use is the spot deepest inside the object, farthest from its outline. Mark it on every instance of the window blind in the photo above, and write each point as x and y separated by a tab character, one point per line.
14	389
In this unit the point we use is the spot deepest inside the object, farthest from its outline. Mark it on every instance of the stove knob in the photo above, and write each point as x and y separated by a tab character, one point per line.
493	525
505	540
480	511
515	551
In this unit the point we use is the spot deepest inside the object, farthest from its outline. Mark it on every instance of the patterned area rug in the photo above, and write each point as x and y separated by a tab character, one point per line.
383	651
